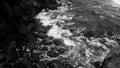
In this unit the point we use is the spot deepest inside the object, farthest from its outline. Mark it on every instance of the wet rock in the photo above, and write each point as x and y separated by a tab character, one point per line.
27	63
57	42
54	64
42	64
61	50
52	54
44	48
47	42
96	64
41	35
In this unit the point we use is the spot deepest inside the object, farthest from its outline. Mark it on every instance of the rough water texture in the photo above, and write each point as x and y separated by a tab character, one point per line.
82	50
